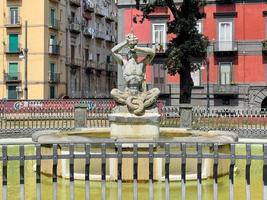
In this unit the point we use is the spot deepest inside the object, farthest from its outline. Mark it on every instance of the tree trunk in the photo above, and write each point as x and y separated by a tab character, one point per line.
186	84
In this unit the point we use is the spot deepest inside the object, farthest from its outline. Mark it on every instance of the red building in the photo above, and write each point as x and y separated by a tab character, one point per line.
237	69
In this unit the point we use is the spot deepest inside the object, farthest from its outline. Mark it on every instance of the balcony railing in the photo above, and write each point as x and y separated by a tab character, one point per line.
111	38
12	50
13	22
12	77
100	35
56	1
225	46
112	16
53	77
75	27
54	49
88	31
159	48
100	11
225	89
75	3
54	24
74	62
88	6
112	67
264	46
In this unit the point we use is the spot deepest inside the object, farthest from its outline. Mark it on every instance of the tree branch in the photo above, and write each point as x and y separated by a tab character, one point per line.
173	8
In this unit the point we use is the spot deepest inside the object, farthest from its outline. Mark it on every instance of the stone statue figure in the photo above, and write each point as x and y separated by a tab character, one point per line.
135	95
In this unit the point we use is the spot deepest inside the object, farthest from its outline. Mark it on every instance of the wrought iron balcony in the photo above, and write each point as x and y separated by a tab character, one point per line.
225	89
88	6
88	31
54	24
54	49
225	47
12	50
100	35
53	77
264	46
12	77
13	22
74	62
112	67
75	3
100	11
56	1
111	38
75	27
160	49
112	16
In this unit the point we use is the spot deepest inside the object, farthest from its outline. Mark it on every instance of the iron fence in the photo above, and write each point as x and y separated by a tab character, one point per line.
29	116
137	153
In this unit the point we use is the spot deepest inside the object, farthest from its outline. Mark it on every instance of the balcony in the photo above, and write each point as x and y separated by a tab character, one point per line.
225	48
13	50
88	6
74	62
12	77
88	32
75	3
112	16
55	1
53	77
111	38
226	89
13	22
54	49
164	88
100	35
264	47
112	67
100	11
75	27
54	24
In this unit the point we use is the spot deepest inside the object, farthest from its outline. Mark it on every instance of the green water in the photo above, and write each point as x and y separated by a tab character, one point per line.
159	187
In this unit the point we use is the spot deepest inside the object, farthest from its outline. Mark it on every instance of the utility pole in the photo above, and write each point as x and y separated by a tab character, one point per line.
26	62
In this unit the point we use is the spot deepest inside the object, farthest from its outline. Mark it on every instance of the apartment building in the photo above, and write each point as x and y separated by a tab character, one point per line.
235	73
58	53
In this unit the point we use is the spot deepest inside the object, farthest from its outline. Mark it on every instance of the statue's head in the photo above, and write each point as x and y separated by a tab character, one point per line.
132	40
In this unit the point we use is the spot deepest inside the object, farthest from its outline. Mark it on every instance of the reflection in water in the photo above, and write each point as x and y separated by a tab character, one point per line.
159	187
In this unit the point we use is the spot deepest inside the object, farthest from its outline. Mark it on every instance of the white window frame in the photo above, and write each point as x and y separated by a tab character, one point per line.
164	34
198	71
225	44
199	27
220	73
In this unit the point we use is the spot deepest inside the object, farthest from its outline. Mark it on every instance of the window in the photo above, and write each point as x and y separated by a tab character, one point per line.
108	59
14	15
159	74
199	27
225	36
72	52
159	37
52	17
86	54
13	43
98	58
52	92
196	77
13	71
12	92
225	73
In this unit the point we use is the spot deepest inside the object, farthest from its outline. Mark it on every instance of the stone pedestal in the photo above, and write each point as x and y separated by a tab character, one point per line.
80	115
127	125
186	116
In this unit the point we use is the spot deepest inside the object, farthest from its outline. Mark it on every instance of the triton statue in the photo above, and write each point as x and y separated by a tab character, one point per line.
135	95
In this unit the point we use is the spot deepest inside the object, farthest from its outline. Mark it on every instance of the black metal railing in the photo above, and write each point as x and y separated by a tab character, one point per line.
225	46
12	77
54	49
169	160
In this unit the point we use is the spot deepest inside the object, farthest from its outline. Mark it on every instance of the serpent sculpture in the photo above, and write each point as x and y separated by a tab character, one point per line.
135	96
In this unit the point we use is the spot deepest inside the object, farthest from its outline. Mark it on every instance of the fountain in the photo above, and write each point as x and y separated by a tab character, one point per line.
135	118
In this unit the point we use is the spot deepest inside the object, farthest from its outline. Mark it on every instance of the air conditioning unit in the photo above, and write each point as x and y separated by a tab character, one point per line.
18	89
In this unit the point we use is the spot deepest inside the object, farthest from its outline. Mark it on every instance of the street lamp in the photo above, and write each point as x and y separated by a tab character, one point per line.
24	55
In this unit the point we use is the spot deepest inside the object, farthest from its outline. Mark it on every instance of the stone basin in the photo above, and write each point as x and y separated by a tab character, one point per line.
98	135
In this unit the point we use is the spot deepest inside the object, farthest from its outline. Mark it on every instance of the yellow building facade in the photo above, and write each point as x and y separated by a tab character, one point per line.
67	49
45	56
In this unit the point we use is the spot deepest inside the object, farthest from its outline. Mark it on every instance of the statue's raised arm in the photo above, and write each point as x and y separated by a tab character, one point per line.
115	52
150	54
